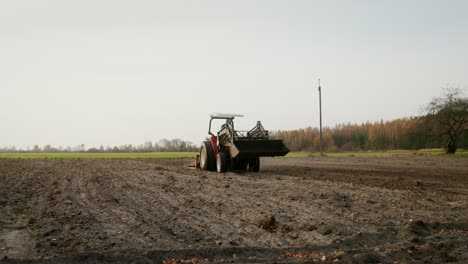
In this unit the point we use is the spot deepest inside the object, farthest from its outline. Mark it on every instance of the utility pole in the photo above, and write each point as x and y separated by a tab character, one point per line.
320	106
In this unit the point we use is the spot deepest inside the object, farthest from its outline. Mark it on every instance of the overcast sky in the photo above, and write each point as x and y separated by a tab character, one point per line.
118	72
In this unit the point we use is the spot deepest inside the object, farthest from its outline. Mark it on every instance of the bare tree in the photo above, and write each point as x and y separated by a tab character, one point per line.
448	116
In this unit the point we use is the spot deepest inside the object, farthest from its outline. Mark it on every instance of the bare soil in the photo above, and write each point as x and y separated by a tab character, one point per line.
349	210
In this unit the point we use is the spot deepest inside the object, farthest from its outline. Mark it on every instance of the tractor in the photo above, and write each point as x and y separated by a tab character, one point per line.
237	150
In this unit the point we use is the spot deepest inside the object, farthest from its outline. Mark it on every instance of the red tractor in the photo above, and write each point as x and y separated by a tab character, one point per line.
237	150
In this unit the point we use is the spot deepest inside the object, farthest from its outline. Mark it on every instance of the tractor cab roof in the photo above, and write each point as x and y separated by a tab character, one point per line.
228	117
224	116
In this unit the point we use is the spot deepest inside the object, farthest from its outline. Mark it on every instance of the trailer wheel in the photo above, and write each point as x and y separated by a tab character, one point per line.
221	164
207	161
254	164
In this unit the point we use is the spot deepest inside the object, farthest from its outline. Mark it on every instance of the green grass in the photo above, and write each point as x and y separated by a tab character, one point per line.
152	155
301	154
393	153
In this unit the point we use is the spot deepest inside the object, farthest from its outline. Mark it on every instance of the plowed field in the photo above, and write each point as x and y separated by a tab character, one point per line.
350	209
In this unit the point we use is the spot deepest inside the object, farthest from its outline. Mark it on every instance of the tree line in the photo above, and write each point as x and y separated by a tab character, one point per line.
404	133
164	145
445	125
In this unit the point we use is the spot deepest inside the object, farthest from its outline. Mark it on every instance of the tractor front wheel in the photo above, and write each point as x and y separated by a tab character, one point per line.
239	164
207	161
254	164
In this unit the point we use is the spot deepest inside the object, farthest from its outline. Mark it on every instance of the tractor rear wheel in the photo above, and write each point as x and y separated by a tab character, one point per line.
221	164
254	164
207	161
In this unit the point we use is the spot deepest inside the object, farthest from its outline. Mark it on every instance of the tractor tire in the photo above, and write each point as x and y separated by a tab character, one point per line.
239	164
221	163
254	164
207	159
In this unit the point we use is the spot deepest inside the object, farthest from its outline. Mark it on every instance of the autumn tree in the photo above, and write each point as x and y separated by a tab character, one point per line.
447	116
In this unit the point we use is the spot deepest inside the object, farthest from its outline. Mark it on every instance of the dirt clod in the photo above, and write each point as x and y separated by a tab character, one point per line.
267	223
325	231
